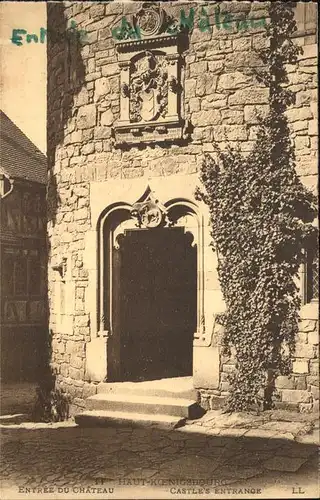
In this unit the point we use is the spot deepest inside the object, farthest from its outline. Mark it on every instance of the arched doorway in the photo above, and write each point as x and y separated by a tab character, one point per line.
158	303
149	289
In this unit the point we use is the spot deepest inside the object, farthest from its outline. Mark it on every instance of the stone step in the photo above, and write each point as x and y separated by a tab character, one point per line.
102	418
151	405
178	387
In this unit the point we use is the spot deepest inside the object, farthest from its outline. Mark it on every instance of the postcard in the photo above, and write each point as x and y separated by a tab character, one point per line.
159	260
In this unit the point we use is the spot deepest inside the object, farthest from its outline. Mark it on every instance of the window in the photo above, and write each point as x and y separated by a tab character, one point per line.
34	276
21	271
7	272
312	277
20	275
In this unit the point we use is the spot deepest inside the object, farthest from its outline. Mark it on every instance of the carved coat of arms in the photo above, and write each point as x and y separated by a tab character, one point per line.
149	213
148	88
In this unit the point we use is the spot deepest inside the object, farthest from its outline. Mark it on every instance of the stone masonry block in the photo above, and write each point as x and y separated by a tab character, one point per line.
75	348
314	367
91	37
236	80
102	132
190	87
235	7
82	97
295	396
298	114
229	368
225	46
224	386
309	51
194	104
82	320
93	76
313	337
215	66
61	347
76	373
206	117
81	214
232	116
96	11
300	383
64	369
302	142
198	68
252	95
87	149
242	44
300	366
307	325
303	98
89	390
311	182
254	114
230	133
284	382
298	126
312	380
304	351
312	69
302	337
76	362
315	392
110	69
87	116
314	108
224	377
314	145
313	127
298	78
199	36
76	136
214	101
206	84
107	118
102	88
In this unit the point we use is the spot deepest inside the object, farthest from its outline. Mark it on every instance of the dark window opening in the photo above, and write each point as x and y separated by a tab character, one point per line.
34	276
21	276
312	276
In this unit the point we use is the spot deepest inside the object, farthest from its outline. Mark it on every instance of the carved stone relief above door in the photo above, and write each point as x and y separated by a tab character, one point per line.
150	82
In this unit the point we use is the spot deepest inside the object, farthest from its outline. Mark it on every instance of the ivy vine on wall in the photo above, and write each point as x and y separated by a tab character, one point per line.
261	217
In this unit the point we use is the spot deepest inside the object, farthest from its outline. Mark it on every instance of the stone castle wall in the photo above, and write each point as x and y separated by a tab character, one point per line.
298	391
221	101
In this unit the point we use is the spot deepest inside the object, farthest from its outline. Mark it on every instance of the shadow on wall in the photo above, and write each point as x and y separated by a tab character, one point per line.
66	73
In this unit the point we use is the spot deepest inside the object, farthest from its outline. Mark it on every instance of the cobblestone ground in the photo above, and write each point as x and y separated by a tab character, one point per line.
210	459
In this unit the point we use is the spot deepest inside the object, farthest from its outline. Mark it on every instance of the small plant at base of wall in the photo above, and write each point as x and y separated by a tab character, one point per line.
52	404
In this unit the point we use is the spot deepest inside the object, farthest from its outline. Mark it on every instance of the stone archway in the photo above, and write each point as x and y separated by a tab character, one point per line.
150	288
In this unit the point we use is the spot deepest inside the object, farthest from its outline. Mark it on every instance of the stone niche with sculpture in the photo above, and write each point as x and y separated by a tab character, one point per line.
150	81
